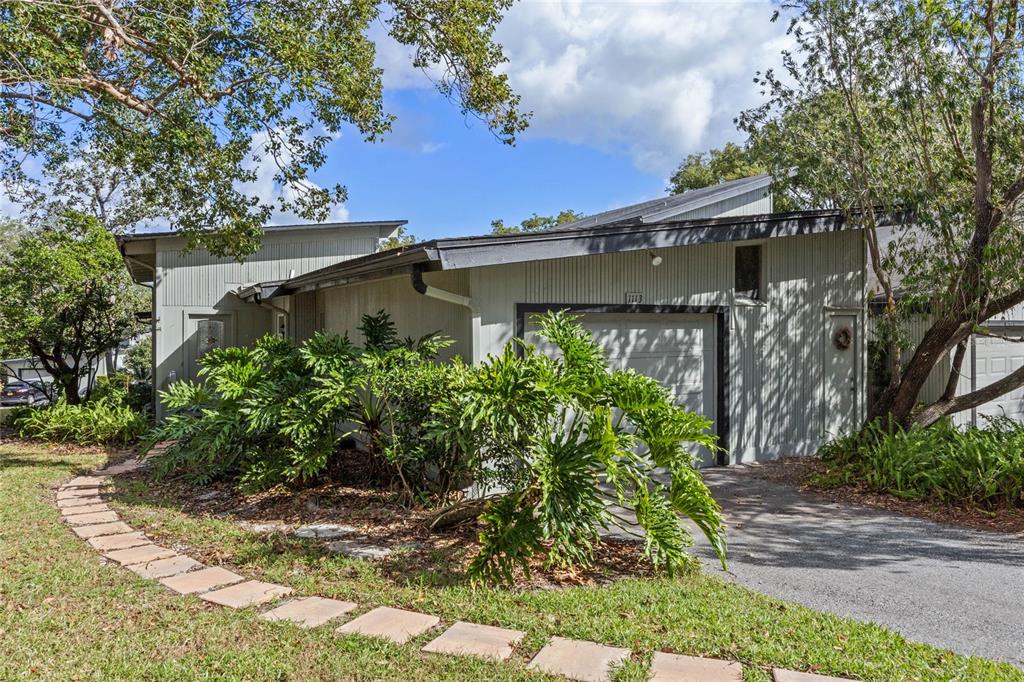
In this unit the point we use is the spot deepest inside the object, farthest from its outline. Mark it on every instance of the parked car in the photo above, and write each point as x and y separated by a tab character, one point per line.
22	393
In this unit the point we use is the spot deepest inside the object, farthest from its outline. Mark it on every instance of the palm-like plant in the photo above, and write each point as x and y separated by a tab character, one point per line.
566	440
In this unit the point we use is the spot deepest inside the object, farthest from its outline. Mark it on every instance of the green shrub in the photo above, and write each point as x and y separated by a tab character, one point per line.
562	440
974	467
121	388
99	422
277	413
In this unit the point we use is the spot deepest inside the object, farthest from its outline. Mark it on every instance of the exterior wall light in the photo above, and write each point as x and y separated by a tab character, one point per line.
655	258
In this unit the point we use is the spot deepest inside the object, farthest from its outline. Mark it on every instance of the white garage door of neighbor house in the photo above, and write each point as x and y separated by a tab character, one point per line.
676	349
994	359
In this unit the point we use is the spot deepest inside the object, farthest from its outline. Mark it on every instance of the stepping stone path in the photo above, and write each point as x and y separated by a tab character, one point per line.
84	510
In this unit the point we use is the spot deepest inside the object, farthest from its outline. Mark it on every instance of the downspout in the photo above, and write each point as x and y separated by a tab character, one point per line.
429	291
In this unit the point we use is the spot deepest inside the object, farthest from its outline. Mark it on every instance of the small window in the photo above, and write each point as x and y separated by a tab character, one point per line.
748	272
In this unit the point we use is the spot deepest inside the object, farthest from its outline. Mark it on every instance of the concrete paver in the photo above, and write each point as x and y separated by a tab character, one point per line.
164	568
86	532
140	554
202	580
88	519
782	675
309	612
578	659
396	625
676	668
470	639
249	593
108	543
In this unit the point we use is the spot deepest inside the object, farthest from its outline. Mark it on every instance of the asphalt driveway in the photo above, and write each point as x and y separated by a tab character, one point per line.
954	588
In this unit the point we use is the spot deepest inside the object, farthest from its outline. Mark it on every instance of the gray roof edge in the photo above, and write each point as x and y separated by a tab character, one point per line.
143	236
741	187
464	252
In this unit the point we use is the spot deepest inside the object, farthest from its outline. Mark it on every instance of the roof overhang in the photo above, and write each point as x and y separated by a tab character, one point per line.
471	252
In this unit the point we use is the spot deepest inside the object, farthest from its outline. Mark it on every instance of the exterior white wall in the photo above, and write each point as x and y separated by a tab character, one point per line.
196	285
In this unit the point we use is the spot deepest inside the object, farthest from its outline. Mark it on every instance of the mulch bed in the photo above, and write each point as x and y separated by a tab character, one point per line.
441	555
800	472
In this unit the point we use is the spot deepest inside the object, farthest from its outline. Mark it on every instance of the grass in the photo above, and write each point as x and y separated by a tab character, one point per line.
65	614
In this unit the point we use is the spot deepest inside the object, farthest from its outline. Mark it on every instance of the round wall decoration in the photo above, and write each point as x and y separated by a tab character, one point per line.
843	338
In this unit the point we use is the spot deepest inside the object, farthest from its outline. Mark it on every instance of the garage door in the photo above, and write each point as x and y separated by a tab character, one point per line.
677	350
994	359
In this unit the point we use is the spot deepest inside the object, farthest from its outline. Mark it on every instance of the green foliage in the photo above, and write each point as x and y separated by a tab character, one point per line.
139	359
535	223
891	107
401	237
121	388
105	421
973	467
65	297
566	438
186	99
735	162
276	413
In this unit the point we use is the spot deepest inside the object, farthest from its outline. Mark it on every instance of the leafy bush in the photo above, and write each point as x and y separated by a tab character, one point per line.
277	413
121	388
564	439
103	421
975	467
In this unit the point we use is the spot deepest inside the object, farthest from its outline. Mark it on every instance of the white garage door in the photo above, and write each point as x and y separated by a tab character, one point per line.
677	350
994	359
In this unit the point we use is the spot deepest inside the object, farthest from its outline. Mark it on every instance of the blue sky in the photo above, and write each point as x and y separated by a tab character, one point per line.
448	176
620	93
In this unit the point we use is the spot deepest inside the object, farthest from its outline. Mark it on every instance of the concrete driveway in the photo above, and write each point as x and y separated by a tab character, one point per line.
957	589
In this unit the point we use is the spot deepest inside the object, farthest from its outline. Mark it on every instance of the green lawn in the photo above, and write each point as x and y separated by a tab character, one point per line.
66	615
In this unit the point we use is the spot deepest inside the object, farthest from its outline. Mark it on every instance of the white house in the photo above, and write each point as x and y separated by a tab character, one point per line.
755	319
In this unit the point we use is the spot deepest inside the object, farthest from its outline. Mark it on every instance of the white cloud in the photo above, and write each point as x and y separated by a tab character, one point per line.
269	191
656	79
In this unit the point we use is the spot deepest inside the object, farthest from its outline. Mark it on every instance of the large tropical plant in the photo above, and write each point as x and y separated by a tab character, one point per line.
560	442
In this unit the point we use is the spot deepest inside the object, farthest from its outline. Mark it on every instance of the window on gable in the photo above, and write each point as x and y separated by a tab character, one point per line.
748	272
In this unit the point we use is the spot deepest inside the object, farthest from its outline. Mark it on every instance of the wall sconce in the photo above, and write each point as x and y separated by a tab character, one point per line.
655	258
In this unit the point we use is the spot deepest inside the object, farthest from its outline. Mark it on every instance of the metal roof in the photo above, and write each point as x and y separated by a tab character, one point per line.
673	206
564	242
141	236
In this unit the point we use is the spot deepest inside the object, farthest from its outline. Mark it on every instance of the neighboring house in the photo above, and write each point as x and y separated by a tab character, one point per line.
195	306
31	371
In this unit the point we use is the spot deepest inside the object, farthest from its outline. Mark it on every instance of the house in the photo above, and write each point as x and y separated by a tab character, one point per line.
195	302
753	318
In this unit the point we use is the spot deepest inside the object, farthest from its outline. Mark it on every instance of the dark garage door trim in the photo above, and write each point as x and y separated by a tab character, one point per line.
721	313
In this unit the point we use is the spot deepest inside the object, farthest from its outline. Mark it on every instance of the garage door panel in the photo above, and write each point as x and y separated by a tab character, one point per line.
675	349
994	359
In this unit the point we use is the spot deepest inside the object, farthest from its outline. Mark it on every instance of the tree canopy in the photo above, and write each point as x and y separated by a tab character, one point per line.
914	107
188	98
535	223
66	297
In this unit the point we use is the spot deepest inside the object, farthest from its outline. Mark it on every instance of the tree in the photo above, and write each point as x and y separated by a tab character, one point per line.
66	297
914	108
704	169
734	162
535	223
400	238
190	97
11	231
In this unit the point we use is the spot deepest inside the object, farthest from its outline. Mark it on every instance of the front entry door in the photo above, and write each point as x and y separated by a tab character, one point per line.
841	385
206	333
